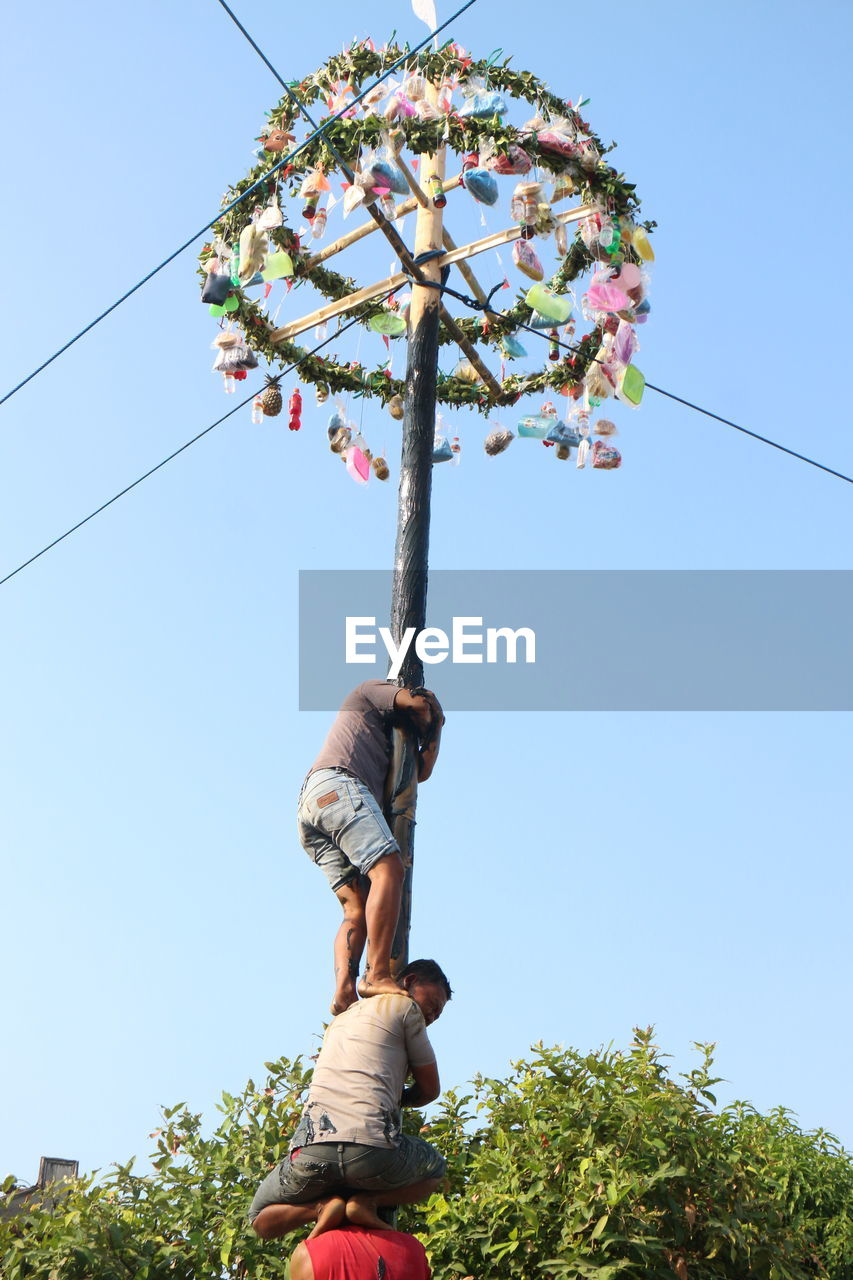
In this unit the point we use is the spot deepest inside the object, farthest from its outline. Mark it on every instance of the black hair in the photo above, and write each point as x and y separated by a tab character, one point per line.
426	971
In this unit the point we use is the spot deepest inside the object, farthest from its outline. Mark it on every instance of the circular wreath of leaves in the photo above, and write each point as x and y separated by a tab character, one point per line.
602	186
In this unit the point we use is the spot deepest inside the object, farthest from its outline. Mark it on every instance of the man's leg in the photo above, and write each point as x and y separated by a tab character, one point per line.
349	944
382	911
279	1219
362	1205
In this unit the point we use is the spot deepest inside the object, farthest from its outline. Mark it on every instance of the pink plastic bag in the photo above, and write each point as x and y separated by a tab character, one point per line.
606	297
605	456
357	465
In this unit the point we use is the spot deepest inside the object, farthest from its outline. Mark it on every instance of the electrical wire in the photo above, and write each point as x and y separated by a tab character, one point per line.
159	466
698	408
319	132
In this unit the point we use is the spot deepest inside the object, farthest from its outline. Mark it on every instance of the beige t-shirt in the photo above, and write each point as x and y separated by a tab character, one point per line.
358	1080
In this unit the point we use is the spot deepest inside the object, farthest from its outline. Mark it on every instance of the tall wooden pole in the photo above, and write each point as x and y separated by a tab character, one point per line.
411	555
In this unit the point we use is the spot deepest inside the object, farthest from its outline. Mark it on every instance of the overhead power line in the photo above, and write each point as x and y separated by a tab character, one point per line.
176	453
801	457
318	132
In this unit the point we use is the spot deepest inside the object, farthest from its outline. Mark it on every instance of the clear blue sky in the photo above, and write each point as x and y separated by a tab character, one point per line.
576	874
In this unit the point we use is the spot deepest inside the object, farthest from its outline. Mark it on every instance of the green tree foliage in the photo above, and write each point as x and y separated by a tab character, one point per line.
574	1167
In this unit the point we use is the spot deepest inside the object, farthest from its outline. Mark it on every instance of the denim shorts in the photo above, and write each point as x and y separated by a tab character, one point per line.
318	1171
341	826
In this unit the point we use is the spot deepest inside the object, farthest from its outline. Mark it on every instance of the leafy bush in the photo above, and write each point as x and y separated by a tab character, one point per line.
574	1167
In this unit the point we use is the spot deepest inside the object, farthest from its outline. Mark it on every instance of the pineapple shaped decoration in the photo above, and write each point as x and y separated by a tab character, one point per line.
270	397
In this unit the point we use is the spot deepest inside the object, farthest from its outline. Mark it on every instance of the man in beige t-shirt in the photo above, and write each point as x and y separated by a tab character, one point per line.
348	1155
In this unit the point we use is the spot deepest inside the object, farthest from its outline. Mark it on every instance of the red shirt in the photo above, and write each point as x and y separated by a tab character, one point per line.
358	1253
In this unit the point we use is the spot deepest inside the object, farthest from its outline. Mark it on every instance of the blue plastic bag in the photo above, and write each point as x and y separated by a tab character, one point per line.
481	185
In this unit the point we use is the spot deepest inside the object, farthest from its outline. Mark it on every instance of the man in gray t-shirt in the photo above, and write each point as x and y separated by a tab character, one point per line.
342	827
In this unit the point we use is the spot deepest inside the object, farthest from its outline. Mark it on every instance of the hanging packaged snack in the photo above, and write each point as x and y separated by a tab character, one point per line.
271	215
562	433
606	457
465	372
415	87
526	260
497	441
481	103
395	407
380	468
514	161
557	142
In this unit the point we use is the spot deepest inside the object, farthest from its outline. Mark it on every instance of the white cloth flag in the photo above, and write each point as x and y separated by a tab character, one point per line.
425	10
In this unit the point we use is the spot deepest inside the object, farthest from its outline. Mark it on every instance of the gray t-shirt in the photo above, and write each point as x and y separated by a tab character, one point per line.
363	1064
360	739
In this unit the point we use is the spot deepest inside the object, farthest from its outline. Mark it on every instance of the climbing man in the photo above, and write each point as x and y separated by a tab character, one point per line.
342	827
357	1253
348	1155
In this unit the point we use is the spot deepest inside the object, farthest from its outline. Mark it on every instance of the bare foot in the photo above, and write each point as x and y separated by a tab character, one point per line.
331	1214
343	998
361	1212
370	986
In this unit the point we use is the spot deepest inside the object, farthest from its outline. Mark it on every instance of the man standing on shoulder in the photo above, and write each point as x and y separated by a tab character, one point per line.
348	1155
342	827
356	1253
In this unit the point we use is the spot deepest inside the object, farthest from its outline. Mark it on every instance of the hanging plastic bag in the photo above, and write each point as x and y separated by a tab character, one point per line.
558	139
515	161
625	343
441	450
388	323
605	296
481	185
481	103
563	433
358	463
254	246
512	348
466	372
498	441
535	426
216	288
526	260
606	457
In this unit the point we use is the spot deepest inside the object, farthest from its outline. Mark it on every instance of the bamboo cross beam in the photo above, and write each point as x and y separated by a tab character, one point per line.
447	240
331	309
367	228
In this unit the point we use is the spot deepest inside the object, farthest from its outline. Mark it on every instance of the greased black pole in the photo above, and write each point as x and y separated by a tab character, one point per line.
411	555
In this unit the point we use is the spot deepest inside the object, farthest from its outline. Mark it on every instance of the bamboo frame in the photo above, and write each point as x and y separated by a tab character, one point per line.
446	238
332	309
367	228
